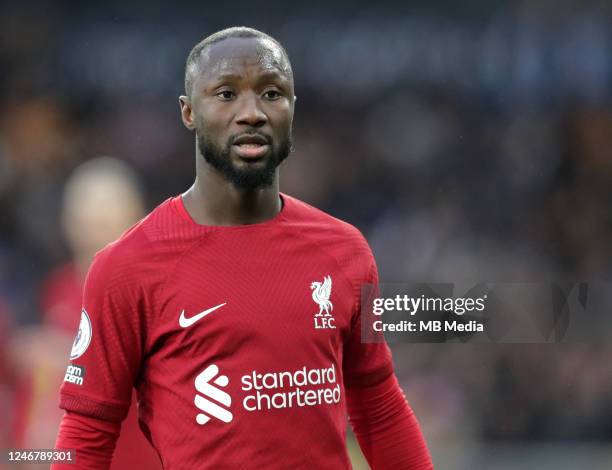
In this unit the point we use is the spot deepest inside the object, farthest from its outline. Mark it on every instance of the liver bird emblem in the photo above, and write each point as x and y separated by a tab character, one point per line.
320	294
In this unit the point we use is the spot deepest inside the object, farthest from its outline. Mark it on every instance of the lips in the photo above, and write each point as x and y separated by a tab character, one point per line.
251	146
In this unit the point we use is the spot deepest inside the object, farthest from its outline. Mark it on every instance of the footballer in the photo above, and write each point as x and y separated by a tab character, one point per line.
233	309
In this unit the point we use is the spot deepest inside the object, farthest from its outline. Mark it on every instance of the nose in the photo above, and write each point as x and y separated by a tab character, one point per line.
250	112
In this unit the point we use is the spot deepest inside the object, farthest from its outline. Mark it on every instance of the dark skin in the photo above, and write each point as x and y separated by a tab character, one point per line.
240	86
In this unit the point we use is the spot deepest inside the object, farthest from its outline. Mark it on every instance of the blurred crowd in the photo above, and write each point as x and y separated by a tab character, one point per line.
467	145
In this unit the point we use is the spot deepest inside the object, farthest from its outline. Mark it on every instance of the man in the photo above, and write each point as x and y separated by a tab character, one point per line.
234	309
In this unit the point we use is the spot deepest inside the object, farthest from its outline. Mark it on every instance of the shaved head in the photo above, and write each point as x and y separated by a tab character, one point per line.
199	53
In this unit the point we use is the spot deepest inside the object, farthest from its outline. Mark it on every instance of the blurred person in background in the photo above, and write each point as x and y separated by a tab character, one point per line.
7	379
101	199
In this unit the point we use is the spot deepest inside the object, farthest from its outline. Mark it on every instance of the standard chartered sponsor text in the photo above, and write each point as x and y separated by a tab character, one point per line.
286	389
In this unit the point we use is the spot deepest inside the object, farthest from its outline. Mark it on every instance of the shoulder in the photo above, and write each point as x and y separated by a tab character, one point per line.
318	223
342	240
138	250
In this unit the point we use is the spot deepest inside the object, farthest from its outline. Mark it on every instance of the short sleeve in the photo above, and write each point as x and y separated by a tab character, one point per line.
365	363
107	351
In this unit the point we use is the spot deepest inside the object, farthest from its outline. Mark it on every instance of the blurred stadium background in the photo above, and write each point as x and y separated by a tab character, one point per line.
469	141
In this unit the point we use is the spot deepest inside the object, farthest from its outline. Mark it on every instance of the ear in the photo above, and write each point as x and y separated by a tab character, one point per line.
186	112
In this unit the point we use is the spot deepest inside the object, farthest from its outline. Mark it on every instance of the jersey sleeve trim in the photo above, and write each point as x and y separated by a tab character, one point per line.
93	408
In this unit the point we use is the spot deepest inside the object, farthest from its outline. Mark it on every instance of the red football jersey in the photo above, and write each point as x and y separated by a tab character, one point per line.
240	340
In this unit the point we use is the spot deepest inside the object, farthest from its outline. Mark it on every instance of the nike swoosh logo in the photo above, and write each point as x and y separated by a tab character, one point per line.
185	322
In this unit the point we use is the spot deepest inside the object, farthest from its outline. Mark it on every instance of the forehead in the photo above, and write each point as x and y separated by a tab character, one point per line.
241	56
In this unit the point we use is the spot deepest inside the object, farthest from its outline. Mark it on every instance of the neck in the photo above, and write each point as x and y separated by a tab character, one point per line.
212	200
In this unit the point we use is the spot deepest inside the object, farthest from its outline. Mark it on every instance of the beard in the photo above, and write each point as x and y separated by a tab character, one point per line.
248	179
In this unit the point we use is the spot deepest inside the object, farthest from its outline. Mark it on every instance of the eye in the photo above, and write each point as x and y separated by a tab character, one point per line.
272	95
225	95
